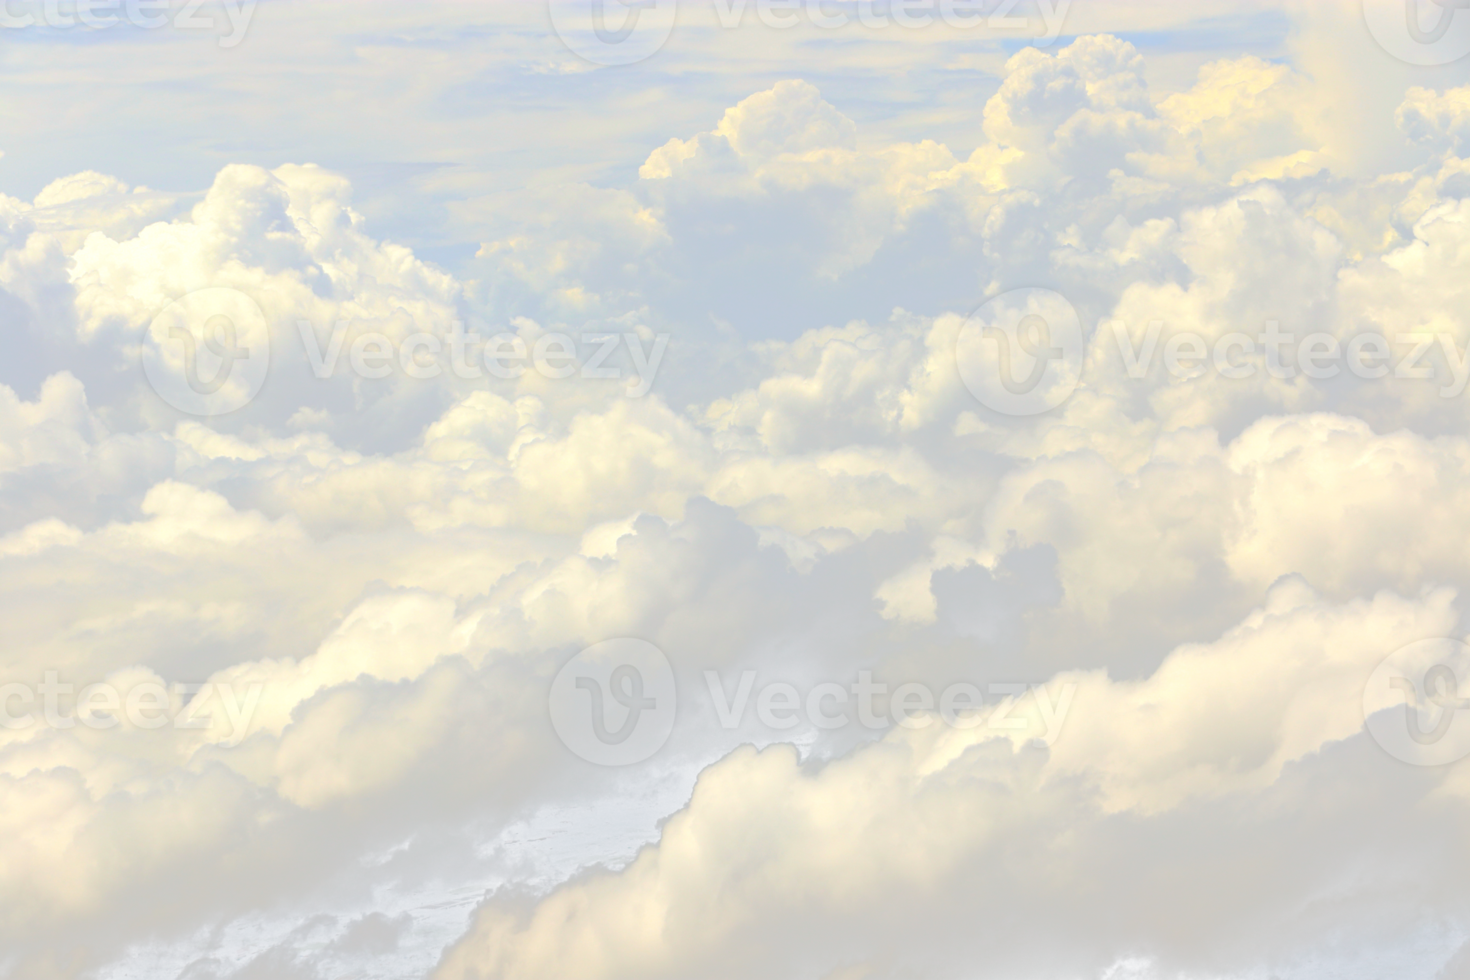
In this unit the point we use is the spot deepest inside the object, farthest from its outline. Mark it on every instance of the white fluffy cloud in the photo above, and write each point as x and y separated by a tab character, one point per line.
939	847
389	571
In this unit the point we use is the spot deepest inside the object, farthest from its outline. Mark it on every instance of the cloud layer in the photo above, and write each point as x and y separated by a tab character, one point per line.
1207	567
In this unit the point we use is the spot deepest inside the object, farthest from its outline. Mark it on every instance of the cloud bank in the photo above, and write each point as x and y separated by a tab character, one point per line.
392	569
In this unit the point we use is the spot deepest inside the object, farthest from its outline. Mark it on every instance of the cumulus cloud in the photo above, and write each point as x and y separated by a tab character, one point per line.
988	606
882	857
1439	119
785	167
369	582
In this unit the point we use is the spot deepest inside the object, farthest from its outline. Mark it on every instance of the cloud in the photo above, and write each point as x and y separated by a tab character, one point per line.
374	935
988	607
1439	119
398	566
944	848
